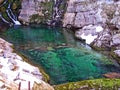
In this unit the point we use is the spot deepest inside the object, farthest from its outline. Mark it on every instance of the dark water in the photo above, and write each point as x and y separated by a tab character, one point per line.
63	58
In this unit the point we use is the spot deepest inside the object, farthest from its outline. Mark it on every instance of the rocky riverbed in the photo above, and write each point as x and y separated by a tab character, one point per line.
16	73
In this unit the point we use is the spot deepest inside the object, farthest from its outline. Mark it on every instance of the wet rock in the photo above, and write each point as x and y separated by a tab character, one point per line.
112	75
33	8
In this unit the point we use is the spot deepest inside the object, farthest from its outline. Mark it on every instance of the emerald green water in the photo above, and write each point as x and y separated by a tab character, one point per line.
62	57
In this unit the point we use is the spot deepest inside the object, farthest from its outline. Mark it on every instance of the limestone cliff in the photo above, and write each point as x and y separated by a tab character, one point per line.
97	21
42	11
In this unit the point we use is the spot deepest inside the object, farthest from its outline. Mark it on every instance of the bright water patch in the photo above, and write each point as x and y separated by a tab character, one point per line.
62	58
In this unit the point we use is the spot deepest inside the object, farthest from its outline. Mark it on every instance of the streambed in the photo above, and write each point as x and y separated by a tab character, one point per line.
62	57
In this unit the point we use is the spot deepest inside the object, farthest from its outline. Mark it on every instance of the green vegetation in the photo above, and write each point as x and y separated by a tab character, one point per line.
97	84
47	9
46	13
37	18
16	5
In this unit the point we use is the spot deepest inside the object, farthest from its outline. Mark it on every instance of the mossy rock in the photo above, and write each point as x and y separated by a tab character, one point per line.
36	18
47	9
97	84
46	13
15	8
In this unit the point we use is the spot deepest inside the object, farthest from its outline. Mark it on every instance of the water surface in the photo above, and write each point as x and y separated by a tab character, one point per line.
62	57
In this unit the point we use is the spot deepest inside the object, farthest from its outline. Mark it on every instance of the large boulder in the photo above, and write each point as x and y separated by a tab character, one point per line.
89	33
16	73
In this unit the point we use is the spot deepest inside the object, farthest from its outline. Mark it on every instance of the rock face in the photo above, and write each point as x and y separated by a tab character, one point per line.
42	11
86	12
88	15
15	73
30	8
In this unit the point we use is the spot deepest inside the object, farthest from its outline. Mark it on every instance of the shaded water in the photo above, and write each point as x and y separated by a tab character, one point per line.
62	57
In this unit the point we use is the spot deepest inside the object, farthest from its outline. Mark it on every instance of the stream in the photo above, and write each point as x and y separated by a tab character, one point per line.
62	57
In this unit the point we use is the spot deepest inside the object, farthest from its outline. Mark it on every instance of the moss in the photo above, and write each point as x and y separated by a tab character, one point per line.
5	16
15	8
2	9
36	18
104	84
99	48
47	9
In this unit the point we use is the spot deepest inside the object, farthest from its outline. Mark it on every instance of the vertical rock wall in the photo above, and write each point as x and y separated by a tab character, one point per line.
99	23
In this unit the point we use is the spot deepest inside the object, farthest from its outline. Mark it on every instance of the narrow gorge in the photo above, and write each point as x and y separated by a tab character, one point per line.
60	44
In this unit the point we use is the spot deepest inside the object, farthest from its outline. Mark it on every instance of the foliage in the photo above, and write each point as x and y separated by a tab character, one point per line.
97	84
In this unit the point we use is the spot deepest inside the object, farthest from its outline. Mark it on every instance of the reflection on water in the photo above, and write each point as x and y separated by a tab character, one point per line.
63	58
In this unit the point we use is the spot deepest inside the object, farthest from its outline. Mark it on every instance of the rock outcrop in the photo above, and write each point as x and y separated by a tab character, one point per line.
42	11
90	16
30	8
16	73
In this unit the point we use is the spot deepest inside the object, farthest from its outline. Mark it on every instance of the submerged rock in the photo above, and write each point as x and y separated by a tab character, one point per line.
112	75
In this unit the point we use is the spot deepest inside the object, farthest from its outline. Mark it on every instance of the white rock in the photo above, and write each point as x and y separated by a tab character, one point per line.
117	52
99	28
1	84
89	38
